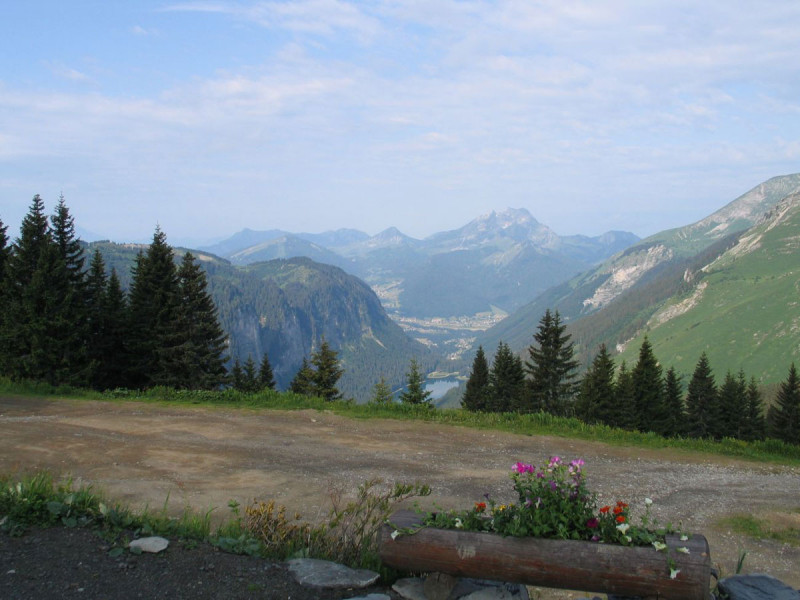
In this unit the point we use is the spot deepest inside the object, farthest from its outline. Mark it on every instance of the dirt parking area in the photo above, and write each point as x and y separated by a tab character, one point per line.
142	454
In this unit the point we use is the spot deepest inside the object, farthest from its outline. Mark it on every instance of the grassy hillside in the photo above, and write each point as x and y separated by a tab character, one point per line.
742	309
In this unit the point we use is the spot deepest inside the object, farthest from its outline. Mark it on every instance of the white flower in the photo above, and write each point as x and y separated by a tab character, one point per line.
685	550
684	538
459	524
648	501
659	546
673	573
395	533
623	527
629	538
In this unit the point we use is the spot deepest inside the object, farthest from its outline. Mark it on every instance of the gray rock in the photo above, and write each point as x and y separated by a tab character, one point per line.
757	587
323	574
410	588
153	544
414	588
438	586
371	597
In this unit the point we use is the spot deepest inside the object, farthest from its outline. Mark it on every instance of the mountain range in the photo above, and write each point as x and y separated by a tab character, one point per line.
498	261
689	289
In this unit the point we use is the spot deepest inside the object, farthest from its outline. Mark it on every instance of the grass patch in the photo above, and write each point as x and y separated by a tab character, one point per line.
771	450
761	528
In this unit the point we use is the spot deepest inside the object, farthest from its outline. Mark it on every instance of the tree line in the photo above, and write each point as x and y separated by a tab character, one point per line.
643	397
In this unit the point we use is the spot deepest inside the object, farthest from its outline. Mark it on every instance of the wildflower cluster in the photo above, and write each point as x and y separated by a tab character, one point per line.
554	502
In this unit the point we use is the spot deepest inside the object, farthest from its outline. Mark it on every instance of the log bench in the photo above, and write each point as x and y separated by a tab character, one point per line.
563	564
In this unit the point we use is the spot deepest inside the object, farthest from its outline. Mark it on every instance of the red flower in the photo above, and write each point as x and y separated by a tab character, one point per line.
617	510
621	519
621	504
605	509
480	506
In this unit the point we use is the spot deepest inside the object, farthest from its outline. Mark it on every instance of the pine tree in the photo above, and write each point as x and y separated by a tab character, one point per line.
237	375
303	381
192	351
19	305
701	400
266	379
625	414
327	372
415	392
94	297
5	253
153	314
731	407
249	376
755	426
382	393
476	395
675	422
786	412
112	345
648	395
596	397
551	367
69	246
506	382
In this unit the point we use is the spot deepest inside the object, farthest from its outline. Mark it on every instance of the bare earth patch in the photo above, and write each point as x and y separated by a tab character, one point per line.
143	454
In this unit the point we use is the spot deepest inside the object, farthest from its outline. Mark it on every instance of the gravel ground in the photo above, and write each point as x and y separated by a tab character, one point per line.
62	563
142	454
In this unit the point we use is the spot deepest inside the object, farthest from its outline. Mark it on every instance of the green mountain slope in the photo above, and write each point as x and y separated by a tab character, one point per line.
742	309
617	297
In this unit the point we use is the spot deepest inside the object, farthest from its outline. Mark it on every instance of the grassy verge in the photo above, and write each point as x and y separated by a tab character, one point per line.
759	528
526	424
348	535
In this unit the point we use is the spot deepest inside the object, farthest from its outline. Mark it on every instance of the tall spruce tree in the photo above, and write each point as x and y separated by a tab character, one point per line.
625	413
675	411
731	407
250	382
551	367
20	305
112	344
415	392
327	372
265	376
63	232
476	395
94	297
303	381
785	421
5	253
153	311
648	395
701	400
192	352
597	395
755	425
506	382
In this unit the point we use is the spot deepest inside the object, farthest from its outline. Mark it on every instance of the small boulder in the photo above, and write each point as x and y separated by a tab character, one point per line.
324	574
153	544
757	587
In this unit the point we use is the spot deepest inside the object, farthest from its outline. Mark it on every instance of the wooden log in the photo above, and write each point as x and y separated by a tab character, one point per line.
564	564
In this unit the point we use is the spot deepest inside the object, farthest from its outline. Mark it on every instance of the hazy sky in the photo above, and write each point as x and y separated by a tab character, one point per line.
208	117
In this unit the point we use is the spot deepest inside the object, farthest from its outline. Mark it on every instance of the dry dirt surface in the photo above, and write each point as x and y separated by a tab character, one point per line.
146	455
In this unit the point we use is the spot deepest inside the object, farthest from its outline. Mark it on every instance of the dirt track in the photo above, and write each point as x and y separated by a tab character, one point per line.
143	454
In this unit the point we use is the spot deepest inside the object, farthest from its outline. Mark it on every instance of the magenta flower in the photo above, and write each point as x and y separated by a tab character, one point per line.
592	523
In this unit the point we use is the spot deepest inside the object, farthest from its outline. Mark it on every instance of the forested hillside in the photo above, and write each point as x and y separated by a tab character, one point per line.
285	307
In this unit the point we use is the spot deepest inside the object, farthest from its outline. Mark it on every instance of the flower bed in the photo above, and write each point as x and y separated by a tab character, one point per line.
554	536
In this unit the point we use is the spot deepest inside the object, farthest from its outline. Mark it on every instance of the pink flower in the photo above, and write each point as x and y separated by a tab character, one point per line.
592	523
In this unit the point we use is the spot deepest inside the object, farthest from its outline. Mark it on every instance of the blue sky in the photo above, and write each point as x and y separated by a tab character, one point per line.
208	117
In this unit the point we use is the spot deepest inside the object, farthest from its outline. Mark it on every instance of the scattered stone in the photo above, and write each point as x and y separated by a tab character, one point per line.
153	544
410	588
437	586
323	574
757	587
414	588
